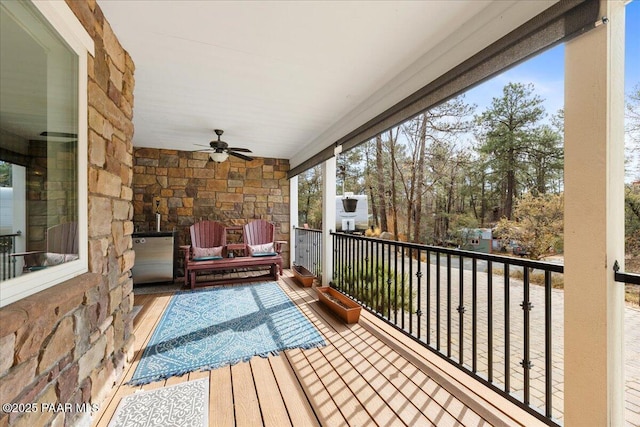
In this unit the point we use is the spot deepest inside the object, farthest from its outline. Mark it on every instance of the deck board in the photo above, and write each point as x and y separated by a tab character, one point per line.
325	407
342	356
298	407
246	406
359	378
381	376
274	412
221	398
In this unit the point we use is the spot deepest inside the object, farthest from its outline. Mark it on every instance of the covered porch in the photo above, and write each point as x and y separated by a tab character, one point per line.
82	328
368	374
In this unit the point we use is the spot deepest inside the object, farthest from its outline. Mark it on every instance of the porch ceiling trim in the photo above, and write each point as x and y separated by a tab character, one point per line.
559	23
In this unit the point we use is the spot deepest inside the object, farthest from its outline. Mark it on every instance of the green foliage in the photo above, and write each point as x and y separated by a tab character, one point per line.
632	115
519	149
424	182
546	160
632	131
462	224
310	198
371	286
538	225
632	220
348	178
5	174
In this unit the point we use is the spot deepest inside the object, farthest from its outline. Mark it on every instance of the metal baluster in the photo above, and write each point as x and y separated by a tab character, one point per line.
352	269
526	360
410	291
474	319
428	313
375	284
448	305
490	321
419	302
410	280
389	282
438	301
461	310
507	332
395	290
548	350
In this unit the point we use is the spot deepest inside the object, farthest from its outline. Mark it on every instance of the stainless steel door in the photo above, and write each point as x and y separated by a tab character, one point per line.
154	259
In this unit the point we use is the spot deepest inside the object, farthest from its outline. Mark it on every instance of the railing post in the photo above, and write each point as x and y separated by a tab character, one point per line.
328	217
293	217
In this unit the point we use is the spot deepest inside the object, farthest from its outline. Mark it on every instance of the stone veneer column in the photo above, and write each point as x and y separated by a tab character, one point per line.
70	343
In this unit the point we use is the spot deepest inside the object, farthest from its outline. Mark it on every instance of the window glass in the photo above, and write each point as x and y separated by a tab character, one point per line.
38	145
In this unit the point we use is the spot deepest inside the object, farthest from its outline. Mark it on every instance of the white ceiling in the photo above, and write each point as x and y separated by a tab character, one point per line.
287	78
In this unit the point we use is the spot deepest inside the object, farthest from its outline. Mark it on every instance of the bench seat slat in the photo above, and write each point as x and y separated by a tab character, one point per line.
193	267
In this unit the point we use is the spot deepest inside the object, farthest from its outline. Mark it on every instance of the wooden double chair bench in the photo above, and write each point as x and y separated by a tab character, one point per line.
209	252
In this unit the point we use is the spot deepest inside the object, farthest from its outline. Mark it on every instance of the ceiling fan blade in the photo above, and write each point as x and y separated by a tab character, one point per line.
240	156
203	150
201	145
242	150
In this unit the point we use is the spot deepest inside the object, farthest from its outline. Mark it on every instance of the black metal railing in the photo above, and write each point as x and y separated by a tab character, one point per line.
631	279
491	316
308	249
7	262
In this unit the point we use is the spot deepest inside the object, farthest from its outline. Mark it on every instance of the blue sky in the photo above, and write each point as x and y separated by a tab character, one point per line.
546	71
632	53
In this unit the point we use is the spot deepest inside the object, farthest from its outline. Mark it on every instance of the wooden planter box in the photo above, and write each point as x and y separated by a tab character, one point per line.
303	276
346	308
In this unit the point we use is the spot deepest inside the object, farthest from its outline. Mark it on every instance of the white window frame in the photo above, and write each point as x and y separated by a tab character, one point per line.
64	22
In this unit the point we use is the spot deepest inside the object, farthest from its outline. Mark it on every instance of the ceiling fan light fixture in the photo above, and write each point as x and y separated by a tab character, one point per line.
219	157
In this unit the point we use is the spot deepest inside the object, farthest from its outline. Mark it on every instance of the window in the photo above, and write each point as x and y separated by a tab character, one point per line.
43	146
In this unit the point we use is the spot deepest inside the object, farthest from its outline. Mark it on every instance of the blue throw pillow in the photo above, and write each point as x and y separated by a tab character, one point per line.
206	258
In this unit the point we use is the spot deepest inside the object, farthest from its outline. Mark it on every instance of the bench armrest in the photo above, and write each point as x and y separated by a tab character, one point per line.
277	245
187	253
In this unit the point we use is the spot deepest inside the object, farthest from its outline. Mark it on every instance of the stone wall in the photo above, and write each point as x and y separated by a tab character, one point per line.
191	188
51	189
69	344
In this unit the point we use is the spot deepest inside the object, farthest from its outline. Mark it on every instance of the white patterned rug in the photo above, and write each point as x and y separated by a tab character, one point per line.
180	405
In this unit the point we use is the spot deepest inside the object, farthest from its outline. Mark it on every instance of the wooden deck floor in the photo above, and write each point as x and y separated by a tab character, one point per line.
368	374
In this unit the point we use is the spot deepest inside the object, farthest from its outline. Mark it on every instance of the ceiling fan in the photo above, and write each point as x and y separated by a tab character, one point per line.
220	150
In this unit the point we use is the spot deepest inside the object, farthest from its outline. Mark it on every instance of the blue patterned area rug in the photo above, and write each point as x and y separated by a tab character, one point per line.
184	405
209	328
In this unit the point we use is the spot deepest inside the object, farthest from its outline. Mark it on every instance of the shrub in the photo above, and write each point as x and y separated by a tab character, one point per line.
371	287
